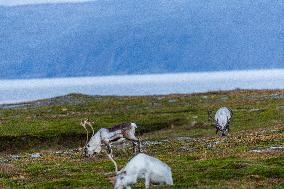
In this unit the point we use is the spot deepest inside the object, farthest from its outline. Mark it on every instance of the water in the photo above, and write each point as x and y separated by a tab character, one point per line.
12	91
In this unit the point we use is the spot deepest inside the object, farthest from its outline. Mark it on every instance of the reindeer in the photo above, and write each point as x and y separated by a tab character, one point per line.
222	119
143	166
108	136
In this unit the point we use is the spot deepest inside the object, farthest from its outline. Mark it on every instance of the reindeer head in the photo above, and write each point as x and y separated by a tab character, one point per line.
94	145
222	124
122	180
211	119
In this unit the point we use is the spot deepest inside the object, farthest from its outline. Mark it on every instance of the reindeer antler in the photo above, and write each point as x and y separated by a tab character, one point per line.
83	124
115	164
90	123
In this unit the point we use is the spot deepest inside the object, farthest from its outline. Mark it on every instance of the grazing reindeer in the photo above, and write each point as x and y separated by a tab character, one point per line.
143	166
107	136
222	120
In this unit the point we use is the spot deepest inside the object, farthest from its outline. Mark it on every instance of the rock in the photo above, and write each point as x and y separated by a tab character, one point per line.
277	147
280	107
257	109
258	151
35	155
148	143
277	96
212	144
187	149
172	101
15	157
270	149
224	98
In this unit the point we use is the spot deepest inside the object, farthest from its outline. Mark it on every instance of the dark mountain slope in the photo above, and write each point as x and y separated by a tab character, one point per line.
108	37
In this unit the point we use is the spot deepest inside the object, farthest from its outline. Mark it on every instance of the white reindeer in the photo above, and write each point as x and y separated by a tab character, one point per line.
143	166
108	136
221	120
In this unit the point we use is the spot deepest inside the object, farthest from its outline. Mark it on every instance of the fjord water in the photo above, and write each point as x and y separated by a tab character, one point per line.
12	91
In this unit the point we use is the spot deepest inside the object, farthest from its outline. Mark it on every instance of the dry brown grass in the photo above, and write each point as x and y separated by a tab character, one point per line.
7	170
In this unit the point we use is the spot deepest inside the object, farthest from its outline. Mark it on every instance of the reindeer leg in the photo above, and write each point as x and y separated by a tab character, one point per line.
147	181
109	150
139	145
228	129
134	140
216	131
134	147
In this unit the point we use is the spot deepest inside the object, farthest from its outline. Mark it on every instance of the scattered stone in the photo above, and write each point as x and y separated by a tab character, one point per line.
278	139
270	149
160	97
35	155
187	149
69	152
154	142
280	107
258	151
4	161
277	147
257	109
224	98
15	157
155	104
212	144
172	101
183	138
277	96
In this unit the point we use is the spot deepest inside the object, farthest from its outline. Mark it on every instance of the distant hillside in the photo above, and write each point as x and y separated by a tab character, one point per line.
109	37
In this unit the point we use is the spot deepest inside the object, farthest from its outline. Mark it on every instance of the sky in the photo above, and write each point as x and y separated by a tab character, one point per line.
24	2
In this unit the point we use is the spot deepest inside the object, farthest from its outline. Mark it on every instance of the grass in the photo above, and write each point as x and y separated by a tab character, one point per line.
177	125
